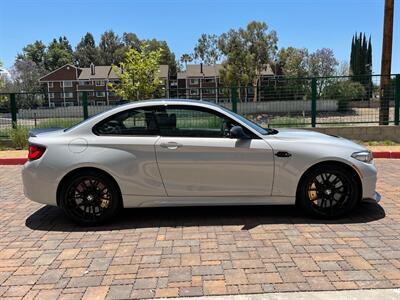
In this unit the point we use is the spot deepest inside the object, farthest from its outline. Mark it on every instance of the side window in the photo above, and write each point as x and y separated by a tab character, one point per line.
186	121
139	121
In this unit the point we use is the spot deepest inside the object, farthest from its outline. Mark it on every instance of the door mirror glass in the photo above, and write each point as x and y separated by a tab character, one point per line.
237	132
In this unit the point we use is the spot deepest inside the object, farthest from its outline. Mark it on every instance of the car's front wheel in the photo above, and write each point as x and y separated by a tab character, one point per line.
90	198
328	191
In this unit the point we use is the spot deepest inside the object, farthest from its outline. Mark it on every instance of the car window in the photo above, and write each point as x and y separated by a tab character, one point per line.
189	121
138	121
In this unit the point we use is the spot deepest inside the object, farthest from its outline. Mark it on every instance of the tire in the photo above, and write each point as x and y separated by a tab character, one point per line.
328	192
90	198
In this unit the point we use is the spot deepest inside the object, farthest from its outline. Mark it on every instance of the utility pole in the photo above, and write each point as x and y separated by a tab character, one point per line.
386	63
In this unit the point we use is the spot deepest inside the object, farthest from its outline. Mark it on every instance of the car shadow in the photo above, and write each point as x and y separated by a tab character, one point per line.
49	218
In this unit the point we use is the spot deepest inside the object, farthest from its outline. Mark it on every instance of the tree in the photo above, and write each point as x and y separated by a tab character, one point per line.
59	53
206	49
247	51
130	40
25	76
294	61
3	98
86	51
294	64
186	58
322	63
361	61
138	74
111	48
167	56
35	52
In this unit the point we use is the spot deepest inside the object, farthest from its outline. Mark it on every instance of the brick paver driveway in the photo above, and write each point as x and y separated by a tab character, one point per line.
196	251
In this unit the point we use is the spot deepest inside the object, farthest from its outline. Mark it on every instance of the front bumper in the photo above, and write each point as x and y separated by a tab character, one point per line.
375	198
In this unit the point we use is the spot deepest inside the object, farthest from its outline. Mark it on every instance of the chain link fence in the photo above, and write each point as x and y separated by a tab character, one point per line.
276	102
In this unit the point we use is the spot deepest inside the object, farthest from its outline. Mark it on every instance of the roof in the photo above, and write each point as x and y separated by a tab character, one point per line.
267	71
56	70
101	72
195	71
164	71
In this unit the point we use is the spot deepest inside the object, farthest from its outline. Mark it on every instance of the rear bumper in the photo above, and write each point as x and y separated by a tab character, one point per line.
39	183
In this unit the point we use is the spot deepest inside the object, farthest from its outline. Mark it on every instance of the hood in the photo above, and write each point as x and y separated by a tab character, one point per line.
313	137
45	131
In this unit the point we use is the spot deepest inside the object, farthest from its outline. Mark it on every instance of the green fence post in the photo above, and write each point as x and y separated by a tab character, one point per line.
13	107
313	102
85	105
397	101
234	99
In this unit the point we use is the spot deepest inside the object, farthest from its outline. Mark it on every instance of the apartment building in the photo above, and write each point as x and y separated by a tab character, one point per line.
200	81
64	85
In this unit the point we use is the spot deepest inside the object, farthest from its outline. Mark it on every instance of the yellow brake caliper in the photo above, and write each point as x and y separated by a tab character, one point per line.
312	192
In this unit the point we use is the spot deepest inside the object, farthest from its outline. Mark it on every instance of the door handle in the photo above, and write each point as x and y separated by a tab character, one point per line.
283	154
171	145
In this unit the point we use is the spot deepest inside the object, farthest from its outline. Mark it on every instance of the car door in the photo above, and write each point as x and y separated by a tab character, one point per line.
196	157
124	144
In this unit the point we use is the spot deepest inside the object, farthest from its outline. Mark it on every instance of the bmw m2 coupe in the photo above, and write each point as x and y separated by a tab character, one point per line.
191	153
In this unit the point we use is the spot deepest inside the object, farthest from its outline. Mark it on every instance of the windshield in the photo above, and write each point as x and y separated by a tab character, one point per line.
255	126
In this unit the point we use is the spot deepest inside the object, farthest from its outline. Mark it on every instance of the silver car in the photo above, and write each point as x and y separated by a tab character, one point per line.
182	152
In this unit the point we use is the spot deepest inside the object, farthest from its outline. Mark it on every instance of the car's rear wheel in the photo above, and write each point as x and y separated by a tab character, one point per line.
90	198
328	191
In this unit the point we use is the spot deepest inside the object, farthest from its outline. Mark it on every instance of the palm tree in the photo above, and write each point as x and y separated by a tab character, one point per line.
185	58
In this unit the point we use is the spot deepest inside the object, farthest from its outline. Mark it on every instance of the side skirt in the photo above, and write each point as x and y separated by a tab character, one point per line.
151	201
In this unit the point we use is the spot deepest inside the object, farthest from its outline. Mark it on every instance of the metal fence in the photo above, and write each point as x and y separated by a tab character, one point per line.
275	102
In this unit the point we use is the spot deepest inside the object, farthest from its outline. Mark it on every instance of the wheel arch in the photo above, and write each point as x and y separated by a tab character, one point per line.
335	163
81	170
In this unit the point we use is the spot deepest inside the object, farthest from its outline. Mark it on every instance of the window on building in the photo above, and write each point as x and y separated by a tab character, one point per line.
51	95
223	91
100	94
209	80
51	84
99	82
194	92
84	82
208	91
194	81
67	83
69	95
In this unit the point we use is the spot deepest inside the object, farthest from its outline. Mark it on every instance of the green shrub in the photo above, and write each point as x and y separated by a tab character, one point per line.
19	137
344	91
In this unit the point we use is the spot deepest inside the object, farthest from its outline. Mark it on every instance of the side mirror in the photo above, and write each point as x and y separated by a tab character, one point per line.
237	132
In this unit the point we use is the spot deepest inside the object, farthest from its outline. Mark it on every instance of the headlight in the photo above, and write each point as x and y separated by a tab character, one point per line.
364	156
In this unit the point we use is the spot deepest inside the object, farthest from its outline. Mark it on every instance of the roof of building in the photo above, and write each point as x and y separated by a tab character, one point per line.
194	70
100	72
164	71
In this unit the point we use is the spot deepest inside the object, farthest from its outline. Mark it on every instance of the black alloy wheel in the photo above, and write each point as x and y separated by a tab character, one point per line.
90	198
328	192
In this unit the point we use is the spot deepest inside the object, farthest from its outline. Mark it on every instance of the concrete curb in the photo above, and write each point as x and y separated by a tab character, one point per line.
12	161
377	154
372	294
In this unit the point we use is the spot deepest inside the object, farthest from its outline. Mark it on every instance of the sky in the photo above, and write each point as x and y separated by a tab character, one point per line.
312	24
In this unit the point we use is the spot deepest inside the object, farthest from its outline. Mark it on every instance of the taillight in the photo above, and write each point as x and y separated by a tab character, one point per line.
35	152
